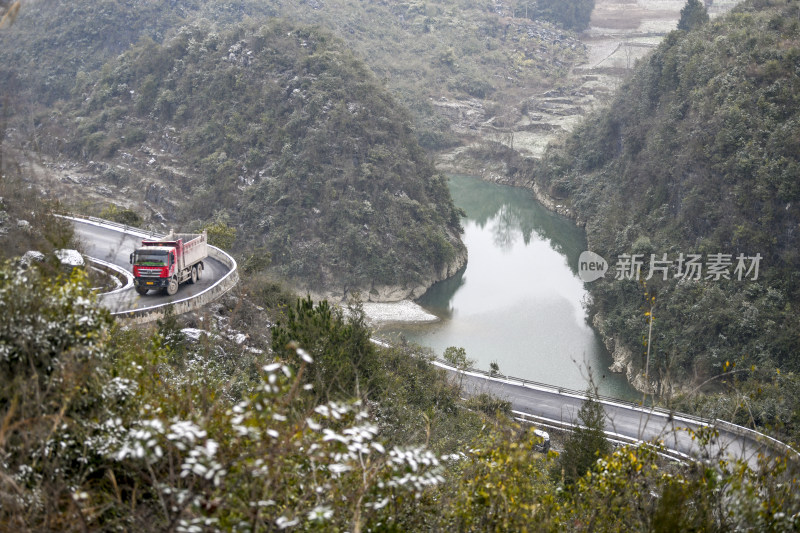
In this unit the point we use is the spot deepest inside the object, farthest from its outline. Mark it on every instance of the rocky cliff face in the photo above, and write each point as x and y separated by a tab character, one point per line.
382	293
624	361
389	293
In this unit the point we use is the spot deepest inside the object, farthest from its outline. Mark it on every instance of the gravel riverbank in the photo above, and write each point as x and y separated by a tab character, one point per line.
404	311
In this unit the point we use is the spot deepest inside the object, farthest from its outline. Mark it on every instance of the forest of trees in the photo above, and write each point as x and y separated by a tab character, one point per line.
698	154
421	50
181	426
131	88
283	134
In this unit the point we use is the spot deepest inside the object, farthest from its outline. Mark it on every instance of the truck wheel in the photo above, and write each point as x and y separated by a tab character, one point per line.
172	288
199	271
194	275
141	290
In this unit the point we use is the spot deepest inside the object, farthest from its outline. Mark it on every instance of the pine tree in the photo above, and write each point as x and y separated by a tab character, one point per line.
586	444
693	14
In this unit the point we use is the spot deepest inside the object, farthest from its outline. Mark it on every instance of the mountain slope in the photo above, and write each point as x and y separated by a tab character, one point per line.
280	131
487	55
698	154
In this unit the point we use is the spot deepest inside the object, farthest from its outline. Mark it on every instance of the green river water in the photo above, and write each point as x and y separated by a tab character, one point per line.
519	301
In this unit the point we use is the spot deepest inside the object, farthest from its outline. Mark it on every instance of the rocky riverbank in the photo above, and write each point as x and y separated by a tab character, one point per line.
404	311
390	293
624	361
385	304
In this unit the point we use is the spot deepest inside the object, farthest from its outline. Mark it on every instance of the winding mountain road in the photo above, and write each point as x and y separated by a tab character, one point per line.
548	406
114	245
544	405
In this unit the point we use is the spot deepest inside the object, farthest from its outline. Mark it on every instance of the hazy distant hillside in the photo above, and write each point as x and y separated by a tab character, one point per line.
699	153
486	53
458	49
279	130
51	42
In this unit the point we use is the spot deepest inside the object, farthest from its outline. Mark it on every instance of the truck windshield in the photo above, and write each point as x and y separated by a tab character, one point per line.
151	258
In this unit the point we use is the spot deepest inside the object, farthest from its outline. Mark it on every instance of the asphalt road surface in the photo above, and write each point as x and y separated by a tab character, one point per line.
115	247
628	421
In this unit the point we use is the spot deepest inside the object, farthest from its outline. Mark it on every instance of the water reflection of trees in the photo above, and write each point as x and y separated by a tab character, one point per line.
511	212
505	230
515	213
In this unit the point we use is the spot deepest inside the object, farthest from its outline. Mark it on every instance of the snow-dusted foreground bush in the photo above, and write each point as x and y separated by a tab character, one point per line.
108	428
82	447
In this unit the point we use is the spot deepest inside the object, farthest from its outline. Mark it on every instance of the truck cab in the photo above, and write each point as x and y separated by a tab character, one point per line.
152	268
165	264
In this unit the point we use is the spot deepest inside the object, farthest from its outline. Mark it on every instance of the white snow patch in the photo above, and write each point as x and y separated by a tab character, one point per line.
193	334
31	256
69	257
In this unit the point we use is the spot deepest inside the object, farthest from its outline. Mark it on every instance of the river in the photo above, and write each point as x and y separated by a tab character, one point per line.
519	301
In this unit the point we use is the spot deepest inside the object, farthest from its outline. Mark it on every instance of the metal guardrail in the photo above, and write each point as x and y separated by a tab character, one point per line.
125	228
730	427
757	436
553	388
618	438
150	313
125	277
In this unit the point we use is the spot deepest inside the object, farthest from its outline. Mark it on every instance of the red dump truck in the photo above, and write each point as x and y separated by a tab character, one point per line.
166	263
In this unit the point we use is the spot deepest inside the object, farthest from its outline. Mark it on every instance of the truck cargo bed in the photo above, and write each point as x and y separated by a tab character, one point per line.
195	247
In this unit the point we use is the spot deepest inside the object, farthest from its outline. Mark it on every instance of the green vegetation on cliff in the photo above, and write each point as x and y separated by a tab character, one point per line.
288	139
281	132
699	154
